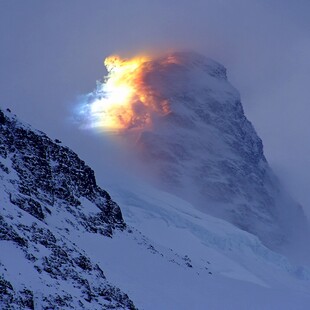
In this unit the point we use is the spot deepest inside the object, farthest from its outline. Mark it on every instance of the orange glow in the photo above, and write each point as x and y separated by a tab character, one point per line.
126	101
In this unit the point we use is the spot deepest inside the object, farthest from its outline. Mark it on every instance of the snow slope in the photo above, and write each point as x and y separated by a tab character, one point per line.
230	268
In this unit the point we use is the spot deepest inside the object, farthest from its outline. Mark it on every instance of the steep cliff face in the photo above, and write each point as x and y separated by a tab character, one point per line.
48	175
46	191
206	151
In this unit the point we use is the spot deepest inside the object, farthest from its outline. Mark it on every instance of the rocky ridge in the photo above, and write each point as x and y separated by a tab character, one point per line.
44	190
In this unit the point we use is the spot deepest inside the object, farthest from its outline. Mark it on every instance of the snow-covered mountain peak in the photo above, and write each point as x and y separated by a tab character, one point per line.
193	61
180	74
202	147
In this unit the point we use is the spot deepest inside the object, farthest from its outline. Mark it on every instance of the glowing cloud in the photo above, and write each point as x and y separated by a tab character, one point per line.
125	99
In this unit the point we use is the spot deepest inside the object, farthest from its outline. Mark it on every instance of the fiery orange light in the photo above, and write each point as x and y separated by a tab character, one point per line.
116	108
126	99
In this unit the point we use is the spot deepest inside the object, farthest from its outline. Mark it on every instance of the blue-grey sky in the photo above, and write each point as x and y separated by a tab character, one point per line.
53	51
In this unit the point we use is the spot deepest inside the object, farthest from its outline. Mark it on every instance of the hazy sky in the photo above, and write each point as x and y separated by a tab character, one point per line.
53	51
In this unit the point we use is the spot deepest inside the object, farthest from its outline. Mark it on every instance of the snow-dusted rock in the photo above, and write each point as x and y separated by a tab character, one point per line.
46	191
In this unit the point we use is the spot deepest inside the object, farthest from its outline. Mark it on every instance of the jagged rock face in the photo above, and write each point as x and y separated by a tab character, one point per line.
49	174
44	188
206	151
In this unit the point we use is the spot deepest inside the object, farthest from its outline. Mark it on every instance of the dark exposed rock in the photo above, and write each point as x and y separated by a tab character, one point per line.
2	118
26	300
11	299
6	292
83	262
8	233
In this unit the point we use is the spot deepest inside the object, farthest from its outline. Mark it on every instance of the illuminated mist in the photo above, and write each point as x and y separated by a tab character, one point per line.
124	99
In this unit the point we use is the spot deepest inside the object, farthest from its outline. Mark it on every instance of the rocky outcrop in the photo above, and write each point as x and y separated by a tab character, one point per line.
47	191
